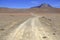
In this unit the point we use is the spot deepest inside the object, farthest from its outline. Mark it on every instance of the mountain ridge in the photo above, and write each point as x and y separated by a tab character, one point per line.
43	8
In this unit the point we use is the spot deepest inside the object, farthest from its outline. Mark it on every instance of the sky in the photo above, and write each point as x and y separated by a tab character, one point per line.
28	3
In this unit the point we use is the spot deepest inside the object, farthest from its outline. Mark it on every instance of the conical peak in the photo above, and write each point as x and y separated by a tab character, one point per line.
44	5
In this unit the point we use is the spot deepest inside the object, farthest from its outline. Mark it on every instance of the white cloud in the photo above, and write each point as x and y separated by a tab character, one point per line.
35	2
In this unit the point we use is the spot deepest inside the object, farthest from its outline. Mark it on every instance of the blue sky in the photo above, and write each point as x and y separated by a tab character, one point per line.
27	3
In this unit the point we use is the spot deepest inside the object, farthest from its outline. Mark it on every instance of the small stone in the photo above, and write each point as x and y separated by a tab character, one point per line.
44	37
54	34
1	29
49	19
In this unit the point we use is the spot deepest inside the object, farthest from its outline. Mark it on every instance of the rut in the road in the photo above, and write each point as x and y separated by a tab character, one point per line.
36	28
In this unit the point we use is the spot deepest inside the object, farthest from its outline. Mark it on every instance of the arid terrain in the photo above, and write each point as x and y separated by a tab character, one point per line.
12	19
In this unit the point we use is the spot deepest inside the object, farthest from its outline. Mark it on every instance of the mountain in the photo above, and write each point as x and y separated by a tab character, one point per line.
43	6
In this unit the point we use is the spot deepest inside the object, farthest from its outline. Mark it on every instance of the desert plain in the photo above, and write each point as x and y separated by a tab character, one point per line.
36	23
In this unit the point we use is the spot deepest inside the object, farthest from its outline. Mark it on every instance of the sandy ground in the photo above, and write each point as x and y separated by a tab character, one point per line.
9	22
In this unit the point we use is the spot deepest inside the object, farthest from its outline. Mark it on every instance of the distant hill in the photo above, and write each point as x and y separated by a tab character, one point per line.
43	8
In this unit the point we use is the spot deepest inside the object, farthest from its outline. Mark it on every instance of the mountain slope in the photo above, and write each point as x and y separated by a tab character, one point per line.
43	8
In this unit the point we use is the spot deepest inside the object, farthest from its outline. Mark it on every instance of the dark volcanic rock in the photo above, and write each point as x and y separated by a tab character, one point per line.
43	6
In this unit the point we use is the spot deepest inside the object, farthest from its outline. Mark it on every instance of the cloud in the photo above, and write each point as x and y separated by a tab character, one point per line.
35	2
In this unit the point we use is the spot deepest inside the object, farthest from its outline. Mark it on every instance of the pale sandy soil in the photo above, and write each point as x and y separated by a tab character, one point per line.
10	21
